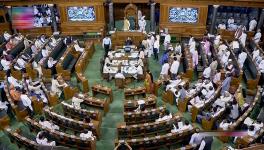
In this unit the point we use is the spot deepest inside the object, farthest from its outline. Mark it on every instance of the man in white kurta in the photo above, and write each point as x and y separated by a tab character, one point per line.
87	135
76	102
167	40
195	58
192	46
252	24
222	26
150	48
174	68
55	86
164	70
255	53
77	47
142	24
26	101
217	39
257	37
243	38
241	59
207	72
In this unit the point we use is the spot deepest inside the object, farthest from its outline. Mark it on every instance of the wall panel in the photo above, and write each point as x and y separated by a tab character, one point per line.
184	29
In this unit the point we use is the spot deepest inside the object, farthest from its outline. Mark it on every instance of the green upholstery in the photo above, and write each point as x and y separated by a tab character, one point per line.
173	39
17	49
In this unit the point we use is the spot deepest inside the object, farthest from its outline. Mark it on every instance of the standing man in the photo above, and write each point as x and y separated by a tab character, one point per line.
252	24
257	36
107	44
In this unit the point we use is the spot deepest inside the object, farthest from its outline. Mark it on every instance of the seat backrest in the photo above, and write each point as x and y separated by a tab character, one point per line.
67	60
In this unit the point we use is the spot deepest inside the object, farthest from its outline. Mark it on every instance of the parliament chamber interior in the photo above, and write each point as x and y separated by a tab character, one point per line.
131	74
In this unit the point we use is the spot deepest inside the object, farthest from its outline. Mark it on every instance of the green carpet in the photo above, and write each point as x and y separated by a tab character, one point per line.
115	114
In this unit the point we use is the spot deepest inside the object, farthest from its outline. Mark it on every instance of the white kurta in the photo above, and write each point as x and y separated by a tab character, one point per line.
255	53
243	38
241	58
55	87
26	101
174	67
192	46
207	72
165	69
86	136
78	48
76	102
252	25
167	40
257	37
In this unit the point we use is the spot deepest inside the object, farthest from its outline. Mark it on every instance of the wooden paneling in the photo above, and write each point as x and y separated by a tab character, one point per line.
79	27
37	31
184	29
5	26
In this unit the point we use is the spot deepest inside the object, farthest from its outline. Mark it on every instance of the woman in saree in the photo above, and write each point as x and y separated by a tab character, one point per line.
149	84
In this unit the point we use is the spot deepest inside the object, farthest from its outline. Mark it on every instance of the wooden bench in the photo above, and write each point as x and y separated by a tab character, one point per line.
72	124
98	88
82	63
80	113
195	111
131	105
20	140
65	65
56	53
159	141
20	112
131	93
64	138
149	115
146	129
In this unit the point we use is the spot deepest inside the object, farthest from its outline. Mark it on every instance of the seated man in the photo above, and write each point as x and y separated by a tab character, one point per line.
207	115
52	65
196	139
14	81
128	42
77	47
225	124
166	116
20	64
35	90
140	72
119	75
87	135
26	101
48	124
77	101
42	140
234	114
7	36
55	86
181	127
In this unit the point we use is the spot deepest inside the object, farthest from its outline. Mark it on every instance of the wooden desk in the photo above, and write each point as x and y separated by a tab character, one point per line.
131	105
98	88
119	37
131	93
